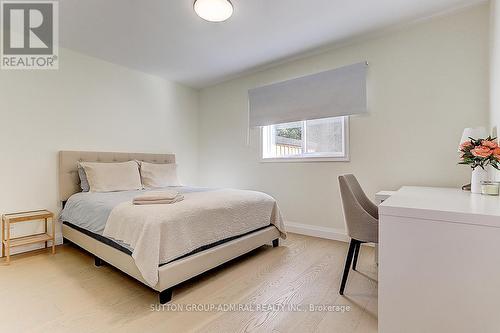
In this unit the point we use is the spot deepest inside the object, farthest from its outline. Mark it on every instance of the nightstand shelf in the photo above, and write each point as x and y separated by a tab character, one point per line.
25	240
38	215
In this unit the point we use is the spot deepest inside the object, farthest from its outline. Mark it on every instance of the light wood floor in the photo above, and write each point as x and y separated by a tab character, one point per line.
67	293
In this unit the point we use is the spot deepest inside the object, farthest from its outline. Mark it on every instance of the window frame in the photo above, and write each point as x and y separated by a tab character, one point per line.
322	157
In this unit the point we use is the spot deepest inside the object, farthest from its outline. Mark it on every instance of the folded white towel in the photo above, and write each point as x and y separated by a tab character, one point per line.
157	195
177	198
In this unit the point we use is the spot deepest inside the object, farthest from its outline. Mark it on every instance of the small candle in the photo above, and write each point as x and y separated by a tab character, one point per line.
490	188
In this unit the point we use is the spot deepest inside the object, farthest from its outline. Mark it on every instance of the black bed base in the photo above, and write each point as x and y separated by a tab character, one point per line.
164	296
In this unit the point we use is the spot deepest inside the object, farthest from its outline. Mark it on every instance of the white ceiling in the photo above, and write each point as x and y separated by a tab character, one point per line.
166	38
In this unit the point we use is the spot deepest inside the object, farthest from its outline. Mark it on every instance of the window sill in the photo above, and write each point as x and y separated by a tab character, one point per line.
304	159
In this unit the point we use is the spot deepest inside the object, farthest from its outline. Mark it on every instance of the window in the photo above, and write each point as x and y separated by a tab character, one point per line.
319	139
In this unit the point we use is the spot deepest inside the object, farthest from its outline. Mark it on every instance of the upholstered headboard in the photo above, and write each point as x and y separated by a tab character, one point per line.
69	182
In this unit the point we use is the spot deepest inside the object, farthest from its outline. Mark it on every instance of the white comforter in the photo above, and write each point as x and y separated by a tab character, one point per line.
161	233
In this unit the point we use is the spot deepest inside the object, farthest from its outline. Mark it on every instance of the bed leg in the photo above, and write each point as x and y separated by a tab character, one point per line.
276	242
165	296
98	261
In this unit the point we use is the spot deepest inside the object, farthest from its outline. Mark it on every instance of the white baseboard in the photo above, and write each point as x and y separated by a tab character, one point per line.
32	247
317	231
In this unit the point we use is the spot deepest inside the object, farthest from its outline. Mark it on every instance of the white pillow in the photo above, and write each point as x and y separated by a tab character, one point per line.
159	175
111	177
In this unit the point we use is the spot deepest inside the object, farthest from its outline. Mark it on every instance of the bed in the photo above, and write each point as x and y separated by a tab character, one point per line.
177	269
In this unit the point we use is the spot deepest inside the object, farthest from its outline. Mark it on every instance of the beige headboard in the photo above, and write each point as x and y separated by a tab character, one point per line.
69	182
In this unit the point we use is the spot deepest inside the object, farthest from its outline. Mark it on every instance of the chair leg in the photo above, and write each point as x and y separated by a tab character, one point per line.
356	253
347	266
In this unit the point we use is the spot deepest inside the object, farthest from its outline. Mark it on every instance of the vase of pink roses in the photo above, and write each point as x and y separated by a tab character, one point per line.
479	154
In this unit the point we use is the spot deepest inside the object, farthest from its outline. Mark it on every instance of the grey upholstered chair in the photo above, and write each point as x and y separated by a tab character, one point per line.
361	217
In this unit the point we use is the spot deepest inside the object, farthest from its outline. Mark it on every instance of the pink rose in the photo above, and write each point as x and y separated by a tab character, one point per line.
496	153
465	145
481	151
489	144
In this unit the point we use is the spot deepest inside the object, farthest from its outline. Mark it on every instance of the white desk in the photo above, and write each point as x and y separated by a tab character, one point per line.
439	268
380	197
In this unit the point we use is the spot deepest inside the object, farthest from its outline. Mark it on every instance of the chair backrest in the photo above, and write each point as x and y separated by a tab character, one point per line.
360	213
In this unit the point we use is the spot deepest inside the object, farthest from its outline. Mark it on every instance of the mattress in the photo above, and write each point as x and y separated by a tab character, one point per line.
108	241
125	249
88	213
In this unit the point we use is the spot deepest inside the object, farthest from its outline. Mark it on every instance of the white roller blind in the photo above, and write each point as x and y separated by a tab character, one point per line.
337	92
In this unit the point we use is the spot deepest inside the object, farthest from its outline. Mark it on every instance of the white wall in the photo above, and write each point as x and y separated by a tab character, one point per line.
87	104
426	82
495	73
495	64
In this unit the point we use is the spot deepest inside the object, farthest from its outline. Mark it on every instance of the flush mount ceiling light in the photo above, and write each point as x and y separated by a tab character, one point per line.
213	10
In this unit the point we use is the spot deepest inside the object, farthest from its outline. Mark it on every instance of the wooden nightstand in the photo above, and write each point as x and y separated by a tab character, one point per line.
8	219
